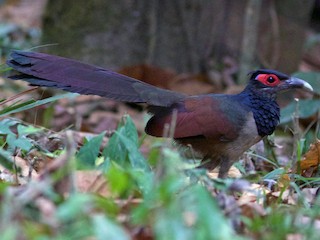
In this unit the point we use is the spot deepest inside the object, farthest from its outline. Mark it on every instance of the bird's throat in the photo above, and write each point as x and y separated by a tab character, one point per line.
266	112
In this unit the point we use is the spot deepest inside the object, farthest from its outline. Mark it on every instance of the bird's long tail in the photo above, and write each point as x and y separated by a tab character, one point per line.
52	71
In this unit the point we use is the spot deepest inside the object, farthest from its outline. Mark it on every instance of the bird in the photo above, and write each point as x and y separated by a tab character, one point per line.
221	127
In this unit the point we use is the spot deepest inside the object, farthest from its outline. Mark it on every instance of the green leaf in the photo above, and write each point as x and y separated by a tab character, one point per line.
171	226
17	141
20	142
104	228
306	108
136	159
208	215
130	130
124	145
73	207
115	150
10	232
194	204
144	180
15	106
6	160
311	77
6	124
26	130
88	154
118	179
274	174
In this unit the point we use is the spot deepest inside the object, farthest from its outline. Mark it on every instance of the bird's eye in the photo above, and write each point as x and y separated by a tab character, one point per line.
270	79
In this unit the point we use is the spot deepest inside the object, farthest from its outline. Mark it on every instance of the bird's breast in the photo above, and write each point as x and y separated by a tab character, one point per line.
248	136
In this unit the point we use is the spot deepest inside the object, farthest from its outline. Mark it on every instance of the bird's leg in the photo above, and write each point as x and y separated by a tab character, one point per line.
225	165
209	163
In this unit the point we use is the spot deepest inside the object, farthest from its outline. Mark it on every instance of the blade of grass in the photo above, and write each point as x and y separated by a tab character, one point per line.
38	103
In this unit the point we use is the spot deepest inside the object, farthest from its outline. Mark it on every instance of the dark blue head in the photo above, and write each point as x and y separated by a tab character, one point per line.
270	82
261	92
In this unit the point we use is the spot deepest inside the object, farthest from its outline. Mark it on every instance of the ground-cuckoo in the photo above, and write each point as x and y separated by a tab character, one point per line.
219	126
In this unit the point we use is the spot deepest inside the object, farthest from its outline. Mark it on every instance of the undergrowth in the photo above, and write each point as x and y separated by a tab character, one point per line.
146	196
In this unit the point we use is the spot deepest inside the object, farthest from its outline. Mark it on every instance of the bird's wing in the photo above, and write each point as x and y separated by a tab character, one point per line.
205	116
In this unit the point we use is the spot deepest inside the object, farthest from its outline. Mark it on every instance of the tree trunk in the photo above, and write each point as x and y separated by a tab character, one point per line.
185	35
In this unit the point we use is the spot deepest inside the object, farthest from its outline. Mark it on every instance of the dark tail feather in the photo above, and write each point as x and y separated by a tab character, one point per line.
52	71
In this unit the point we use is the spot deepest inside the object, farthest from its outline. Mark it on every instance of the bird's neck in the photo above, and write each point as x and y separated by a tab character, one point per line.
265	109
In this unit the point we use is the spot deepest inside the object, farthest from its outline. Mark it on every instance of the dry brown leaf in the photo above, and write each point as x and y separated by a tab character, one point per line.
285	197
91	181
253	194
311	159
100	121
283	182
233	173
252	210
27	172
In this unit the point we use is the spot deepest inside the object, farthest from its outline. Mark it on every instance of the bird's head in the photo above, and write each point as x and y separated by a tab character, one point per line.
270	82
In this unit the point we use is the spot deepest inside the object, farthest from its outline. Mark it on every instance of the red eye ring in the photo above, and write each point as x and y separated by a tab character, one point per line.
268	79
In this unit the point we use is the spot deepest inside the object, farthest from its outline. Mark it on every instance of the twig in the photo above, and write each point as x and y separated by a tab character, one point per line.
296	135
18	95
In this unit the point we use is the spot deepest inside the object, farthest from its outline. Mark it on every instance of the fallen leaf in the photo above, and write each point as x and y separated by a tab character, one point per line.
92	181
233	173
284	181
252	210
281	196
255	193
308	195
311	159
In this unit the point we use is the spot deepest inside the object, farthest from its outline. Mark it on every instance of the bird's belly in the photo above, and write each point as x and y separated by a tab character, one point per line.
216	149
248	136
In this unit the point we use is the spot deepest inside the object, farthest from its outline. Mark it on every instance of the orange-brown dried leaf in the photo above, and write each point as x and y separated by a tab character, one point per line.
283	182
311	159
